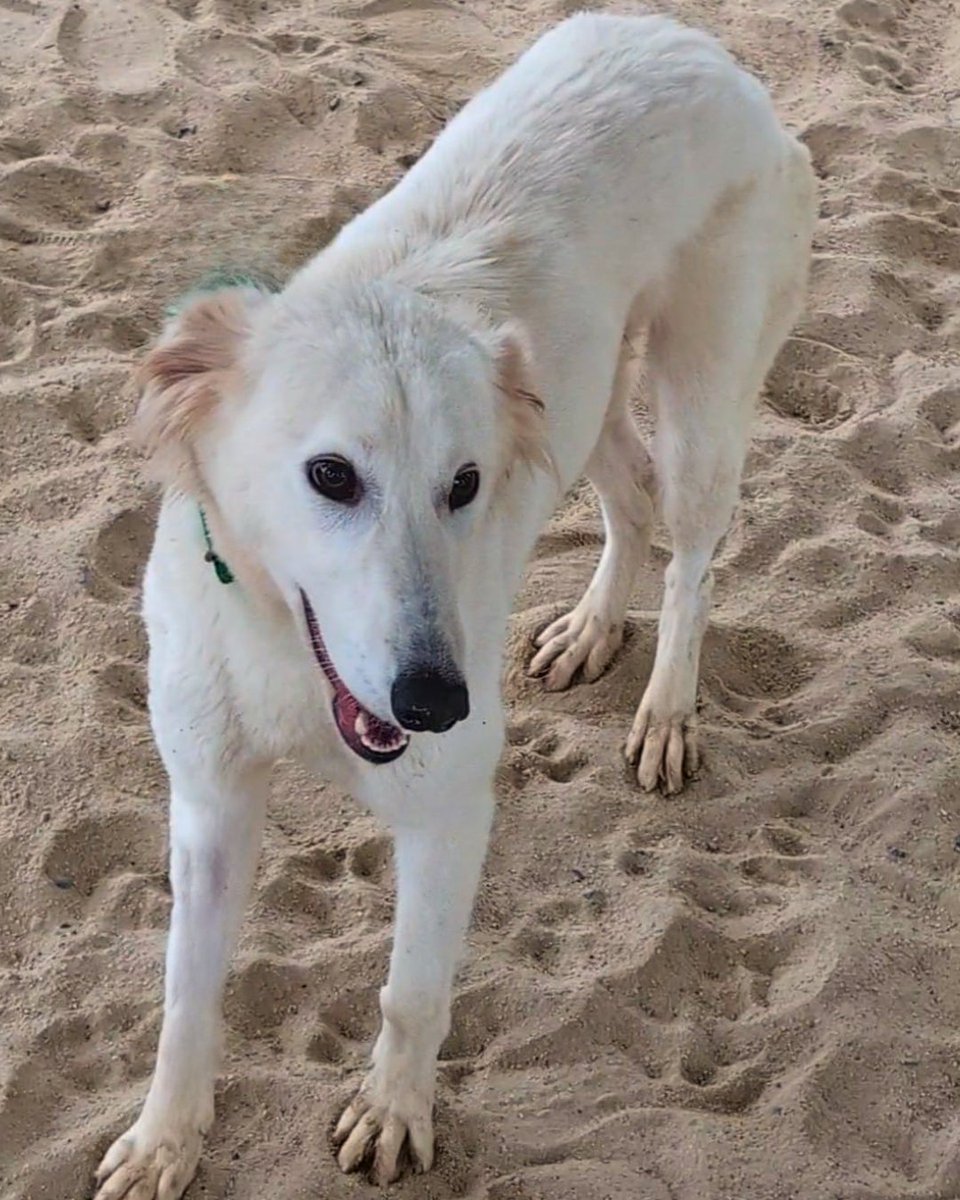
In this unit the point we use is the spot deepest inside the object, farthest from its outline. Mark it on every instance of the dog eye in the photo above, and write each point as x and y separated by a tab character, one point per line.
466	483
334	478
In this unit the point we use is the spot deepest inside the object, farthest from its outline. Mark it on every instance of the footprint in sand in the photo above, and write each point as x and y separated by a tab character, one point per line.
119	553
262	993
746	666
873	15
32	639
574	1179
290	897
122	693
121	43
222	60
17	323
431	30
880	66
815	384
42	196
942	409
89	850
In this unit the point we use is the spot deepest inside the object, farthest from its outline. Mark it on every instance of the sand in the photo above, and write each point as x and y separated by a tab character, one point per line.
748	992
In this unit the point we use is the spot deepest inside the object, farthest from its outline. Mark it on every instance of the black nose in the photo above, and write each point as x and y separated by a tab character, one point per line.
426	699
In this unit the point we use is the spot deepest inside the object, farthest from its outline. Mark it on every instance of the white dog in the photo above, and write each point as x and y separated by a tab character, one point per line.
366	459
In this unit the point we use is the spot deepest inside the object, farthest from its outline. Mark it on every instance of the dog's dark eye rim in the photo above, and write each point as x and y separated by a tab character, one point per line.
332	476
466	484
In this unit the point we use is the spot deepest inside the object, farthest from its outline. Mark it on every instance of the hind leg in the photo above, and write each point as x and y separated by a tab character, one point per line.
698	464
621	472
733	298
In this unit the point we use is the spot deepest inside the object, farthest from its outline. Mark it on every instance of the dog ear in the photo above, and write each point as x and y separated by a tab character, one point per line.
182	380
524	414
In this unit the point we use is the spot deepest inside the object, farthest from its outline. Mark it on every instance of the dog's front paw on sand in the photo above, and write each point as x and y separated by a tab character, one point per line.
664	750
385	1129
150	1162
582	640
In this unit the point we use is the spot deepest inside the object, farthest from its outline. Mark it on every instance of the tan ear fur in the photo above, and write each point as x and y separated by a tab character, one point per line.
525	428
183	379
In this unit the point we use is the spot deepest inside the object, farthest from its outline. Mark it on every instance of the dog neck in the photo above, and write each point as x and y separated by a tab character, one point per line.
232	563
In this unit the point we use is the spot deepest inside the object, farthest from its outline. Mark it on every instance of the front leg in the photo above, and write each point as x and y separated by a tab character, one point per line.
215	833
438	869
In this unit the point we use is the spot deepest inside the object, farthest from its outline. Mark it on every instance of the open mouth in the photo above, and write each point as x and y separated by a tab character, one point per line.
371	739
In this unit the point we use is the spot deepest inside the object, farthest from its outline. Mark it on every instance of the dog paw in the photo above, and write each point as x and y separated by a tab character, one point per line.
150	1162
583	640
664	752
381	1126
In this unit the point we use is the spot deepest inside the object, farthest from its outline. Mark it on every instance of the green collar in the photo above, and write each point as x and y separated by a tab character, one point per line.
221	279
224	574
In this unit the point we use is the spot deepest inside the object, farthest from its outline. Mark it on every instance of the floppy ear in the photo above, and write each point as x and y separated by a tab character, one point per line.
523	412
195	365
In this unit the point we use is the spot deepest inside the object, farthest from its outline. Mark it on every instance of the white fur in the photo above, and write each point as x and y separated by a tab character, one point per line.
624	174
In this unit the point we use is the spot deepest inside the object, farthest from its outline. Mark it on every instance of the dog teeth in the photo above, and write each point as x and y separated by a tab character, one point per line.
381	747
361	727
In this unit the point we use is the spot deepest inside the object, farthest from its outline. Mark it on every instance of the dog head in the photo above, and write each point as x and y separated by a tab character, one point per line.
352	444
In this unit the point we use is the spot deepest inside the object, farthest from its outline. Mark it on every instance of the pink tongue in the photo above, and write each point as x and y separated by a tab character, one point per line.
347	710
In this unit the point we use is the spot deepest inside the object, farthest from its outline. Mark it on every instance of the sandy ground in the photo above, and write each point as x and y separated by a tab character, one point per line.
750	992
